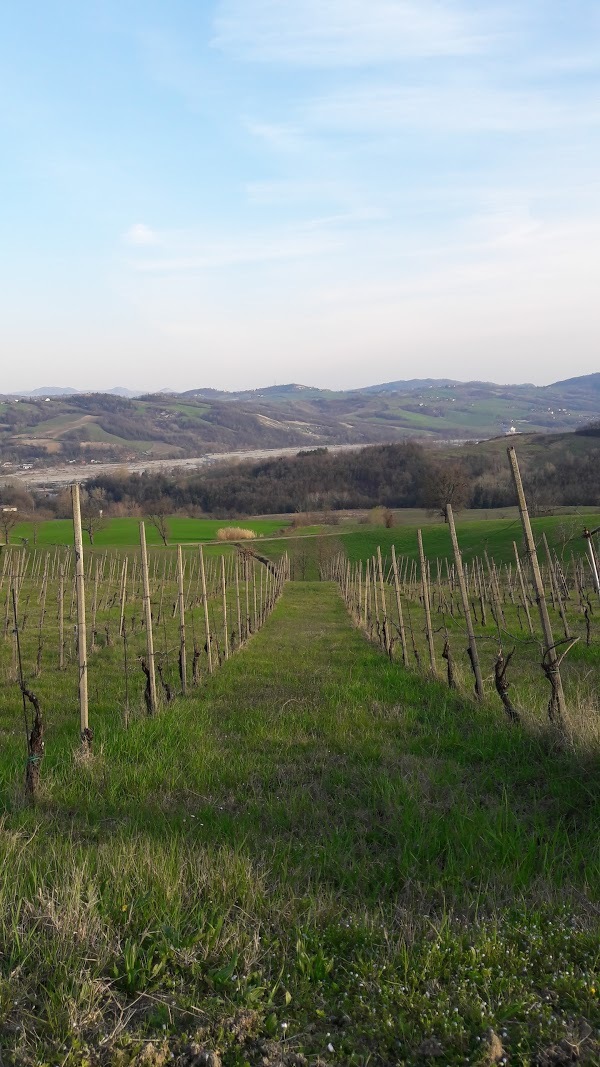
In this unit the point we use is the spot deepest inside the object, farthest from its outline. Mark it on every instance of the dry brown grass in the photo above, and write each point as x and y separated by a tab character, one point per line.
235	533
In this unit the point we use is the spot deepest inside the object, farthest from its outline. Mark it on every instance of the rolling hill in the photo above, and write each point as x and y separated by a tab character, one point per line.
44	427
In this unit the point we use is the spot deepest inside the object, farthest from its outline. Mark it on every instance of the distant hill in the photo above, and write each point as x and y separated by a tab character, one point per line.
49	390
53	425
584	382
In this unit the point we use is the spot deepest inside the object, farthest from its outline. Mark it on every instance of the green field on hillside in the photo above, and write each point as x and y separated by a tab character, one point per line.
479	531
127	531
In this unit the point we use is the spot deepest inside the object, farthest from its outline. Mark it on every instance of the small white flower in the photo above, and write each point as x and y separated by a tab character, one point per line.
330	1047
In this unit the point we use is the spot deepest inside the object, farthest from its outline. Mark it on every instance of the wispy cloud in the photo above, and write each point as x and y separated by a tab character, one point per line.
338	33
187	254
278	136
140	234
448	108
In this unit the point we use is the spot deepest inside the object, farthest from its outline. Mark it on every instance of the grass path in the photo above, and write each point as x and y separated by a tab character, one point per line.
320	855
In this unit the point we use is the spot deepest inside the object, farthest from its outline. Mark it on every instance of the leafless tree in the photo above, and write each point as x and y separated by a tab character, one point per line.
93	505
159	519
8	521
446	483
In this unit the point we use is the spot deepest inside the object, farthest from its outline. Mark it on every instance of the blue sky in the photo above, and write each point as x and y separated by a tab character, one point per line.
231	193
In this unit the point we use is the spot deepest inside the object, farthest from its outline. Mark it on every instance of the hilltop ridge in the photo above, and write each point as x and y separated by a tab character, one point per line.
51	425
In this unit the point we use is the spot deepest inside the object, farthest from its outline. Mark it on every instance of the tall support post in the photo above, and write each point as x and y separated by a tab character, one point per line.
181	594
123	596
555	589
399	609
255	624
426	603
558	701
359	593
61	618
224	592
206	617
95	604
593	560
152	702
386	634
473	652
238	605
523	590
85	733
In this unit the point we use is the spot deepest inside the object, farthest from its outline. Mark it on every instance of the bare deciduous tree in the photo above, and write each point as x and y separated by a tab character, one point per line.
8	521
93	519
158	518
446	483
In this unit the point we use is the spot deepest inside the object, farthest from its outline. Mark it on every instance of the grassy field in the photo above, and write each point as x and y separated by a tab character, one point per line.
127	531
317	857
479	531
495	536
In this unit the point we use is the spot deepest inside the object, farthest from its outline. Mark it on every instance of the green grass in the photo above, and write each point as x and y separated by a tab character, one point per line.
315	849
119	532
494	536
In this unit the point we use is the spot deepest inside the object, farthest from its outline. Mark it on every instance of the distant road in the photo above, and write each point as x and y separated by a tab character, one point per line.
72	472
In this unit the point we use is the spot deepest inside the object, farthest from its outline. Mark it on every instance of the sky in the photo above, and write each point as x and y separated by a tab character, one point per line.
237	193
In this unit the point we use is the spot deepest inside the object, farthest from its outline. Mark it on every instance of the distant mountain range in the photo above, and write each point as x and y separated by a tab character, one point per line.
56	390
52	424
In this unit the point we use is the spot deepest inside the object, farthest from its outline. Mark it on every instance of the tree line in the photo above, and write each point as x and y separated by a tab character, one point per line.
391	476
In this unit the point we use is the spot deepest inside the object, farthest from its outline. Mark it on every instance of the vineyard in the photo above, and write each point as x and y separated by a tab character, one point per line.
479	626
235	831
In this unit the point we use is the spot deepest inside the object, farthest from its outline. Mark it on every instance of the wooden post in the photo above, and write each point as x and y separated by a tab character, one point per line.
206	618
386	634
182	659
123	595
523	590
61	618
399	609
237	599
592	558
556	590
95	604
85	733
473	652
151	675
426	604
255	624
550	650
224	590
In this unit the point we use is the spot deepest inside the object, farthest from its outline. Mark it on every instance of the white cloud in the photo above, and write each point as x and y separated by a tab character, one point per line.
448	109
338	33
187	254
280	137
140	234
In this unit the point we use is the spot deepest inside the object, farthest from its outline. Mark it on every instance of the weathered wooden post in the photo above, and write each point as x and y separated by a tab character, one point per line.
473	652
61	618
552	667
592	558
224	591
387	643
206	617
182	658
399	609
149	671
237	599
123	596
426	603
85	733
523	591
556	590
